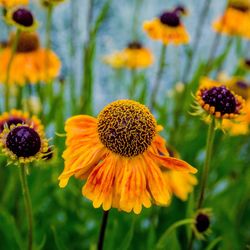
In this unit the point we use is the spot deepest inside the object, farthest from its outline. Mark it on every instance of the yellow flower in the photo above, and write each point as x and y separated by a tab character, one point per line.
22	137
31	63
13	3
167	28
120	154
234	22
133	57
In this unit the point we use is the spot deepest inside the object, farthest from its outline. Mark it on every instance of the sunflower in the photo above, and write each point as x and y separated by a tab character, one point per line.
22	138
167	28
120	154
31	63
134	56
15	117
228	25
13	3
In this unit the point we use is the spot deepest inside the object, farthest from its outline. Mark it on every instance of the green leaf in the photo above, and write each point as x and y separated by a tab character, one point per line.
214	243
59	244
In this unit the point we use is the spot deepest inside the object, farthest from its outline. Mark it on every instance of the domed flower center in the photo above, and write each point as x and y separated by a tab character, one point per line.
23	17
134	45
180	10
244	7
11	121
202	222
126	127
220	98
23	141
27	42
170	18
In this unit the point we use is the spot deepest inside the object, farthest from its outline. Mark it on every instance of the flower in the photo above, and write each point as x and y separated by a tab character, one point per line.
180	10
240	126
31	63
15	117
228	25
22	18
219	101
180	184
13	3
202	221
23	142
167	28
134	56
121	155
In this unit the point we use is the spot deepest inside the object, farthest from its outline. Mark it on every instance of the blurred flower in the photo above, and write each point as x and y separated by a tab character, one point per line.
218	101
23	142
13	3
15	117
133	57
31	63
245	63
118	154
180	184
22	19
167	28
235	21
33	104
180	10
202	223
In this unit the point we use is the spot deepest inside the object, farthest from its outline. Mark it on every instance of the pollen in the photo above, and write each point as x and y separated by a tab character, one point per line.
126	127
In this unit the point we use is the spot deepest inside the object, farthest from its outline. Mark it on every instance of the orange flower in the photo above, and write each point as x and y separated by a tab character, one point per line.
120	154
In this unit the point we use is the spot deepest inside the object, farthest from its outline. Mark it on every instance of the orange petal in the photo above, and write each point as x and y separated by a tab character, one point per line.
173	163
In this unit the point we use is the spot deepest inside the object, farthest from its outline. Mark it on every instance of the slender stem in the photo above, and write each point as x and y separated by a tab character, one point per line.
6	85
138	4
133	83
209	148
103	229
28	206
201	21
159	74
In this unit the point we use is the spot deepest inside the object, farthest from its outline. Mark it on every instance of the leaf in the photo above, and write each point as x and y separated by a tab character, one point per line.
169	234
213	243
128	238
59	244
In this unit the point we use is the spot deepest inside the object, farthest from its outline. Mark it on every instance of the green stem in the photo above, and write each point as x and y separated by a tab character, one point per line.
161	66
28	206
138	4
209	148
161	243
103	230
132	87
6	85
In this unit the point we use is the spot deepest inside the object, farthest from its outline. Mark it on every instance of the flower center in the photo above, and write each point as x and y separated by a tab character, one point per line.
23	141
9	122
27	42
23	17
170	18
240	7
202	222
134	45
220	98
126	127
247	62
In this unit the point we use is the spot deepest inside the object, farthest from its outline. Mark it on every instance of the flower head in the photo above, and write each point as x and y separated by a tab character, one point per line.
31	63
23	143
120	156
228	25
13	3
134	56
180	10
220	102
22	18
167	28
202	223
